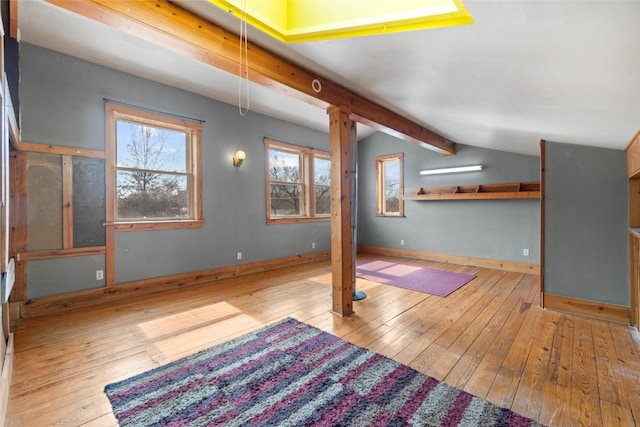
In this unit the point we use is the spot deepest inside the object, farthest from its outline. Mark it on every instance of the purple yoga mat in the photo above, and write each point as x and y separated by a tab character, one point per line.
428	280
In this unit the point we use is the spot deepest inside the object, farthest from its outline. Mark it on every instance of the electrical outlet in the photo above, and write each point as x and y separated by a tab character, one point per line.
402	242
313	245
525	252
239	255
99	274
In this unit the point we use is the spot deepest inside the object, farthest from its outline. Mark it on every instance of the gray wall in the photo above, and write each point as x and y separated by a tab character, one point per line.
586	246
497	229
586	223
62	104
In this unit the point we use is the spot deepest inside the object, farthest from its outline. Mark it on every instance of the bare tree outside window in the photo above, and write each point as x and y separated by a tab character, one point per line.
285	181
152	172
322	181
391	186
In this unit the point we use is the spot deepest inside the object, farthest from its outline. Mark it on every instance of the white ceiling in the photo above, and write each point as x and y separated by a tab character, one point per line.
565	71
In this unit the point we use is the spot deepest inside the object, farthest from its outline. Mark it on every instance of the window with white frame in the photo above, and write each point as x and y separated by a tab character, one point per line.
298	183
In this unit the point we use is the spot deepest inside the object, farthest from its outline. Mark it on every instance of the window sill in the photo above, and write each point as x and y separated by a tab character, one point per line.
274	221
389	216
156	225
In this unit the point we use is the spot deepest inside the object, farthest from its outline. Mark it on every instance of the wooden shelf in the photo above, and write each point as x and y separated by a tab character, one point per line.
633	172
633	157
510	190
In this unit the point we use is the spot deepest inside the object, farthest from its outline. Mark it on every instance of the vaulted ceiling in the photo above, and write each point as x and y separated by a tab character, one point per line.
525	70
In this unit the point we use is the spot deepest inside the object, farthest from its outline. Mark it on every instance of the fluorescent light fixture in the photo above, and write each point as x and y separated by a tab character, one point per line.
471	168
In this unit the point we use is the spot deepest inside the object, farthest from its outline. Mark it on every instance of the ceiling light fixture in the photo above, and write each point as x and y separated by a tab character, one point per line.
456	169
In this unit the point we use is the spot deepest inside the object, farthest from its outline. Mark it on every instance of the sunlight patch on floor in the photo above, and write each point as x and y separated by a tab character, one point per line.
179	322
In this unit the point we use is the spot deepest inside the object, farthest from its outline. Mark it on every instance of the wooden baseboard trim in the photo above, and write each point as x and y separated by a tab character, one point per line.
5	379
518	267
598	310
91	297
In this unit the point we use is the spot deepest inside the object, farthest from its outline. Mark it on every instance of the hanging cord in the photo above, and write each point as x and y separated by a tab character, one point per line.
244	58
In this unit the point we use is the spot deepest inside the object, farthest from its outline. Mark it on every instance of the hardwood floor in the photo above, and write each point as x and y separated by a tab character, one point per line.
490	338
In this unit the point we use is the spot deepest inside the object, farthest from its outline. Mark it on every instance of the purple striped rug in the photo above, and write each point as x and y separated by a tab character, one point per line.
292	374
427	280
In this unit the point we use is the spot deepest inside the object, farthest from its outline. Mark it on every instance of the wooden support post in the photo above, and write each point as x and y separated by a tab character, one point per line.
67	202
342	133
110	201
110	254
18	232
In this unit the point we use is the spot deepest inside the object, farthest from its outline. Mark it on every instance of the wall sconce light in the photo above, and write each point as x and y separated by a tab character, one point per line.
451	170
239	157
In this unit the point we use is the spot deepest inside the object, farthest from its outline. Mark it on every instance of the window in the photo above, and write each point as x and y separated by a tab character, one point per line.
322	184
389	185
298	183
154	170
66	199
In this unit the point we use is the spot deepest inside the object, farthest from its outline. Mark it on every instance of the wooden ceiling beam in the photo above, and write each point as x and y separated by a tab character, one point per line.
172	27
13	19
